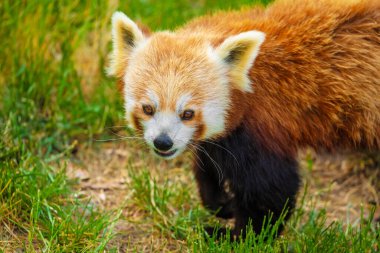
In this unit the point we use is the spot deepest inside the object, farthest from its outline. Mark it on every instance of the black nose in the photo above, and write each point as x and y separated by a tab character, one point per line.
163	142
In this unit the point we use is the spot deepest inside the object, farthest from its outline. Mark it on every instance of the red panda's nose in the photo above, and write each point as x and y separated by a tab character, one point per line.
163	142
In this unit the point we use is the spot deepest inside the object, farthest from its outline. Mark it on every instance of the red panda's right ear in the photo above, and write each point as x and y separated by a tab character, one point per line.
126	35
239	53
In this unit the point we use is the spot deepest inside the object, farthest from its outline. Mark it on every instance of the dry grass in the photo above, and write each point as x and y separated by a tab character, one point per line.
345	184
104	175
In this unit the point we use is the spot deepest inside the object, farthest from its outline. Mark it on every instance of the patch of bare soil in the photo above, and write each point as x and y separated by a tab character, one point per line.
103	174
346	185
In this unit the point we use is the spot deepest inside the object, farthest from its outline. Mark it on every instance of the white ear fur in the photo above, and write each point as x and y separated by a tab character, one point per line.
239	53
125	36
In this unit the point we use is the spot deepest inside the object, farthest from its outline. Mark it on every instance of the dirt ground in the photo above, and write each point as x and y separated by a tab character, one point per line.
346	185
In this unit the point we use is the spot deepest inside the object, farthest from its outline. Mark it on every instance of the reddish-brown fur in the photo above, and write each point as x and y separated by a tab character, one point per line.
316	79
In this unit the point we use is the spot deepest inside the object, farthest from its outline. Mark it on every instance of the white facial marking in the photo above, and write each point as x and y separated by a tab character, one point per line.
182	101
170	124
214	117
154	98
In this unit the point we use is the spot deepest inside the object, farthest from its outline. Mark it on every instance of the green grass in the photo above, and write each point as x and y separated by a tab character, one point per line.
304	232
56	99
37	205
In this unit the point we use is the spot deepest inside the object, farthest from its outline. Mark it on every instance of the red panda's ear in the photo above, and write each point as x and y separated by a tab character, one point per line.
239	52
126	35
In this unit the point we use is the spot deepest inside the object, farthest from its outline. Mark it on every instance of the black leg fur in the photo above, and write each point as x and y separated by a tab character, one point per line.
260	182
212	191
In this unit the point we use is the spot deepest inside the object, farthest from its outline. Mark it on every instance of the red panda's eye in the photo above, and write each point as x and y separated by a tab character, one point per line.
187	115
148	110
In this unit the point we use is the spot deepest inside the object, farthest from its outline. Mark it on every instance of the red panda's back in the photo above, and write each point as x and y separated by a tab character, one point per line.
317	77
318	80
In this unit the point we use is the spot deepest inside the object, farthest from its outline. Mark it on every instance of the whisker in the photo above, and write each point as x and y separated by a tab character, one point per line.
116	127
220	146
218	168
119	135
135	136
196	160
197	157
120	139
194	153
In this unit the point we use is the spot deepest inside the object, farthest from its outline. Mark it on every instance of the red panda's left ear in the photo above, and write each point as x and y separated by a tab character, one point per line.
239	53
126	35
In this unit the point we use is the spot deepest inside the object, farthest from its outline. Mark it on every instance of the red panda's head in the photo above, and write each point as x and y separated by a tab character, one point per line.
177	88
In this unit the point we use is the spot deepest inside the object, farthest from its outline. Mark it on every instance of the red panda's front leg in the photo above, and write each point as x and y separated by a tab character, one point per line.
262	183
212	191
265	188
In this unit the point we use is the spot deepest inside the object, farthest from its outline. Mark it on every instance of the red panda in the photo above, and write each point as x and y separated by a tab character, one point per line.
246	89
